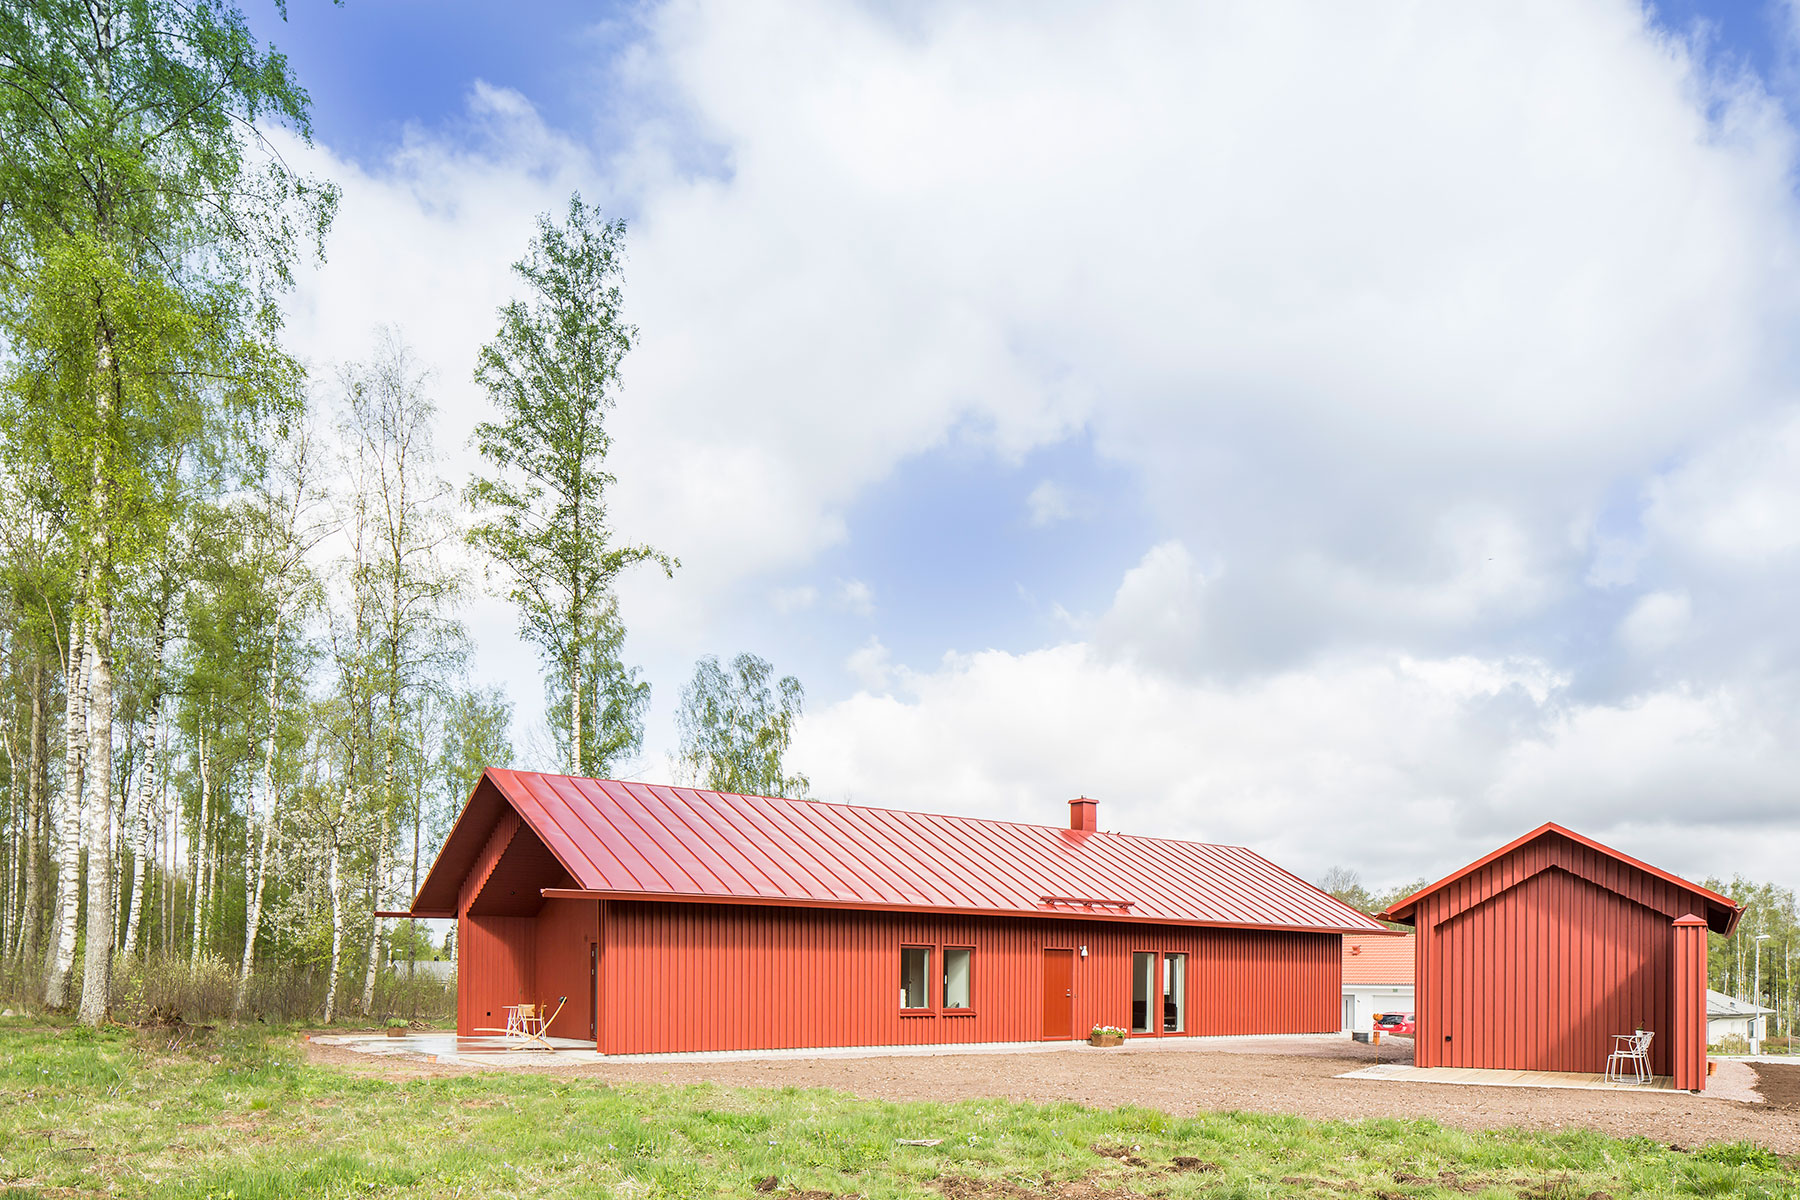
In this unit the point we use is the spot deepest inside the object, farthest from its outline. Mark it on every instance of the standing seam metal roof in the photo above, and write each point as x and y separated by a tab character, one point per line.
636	839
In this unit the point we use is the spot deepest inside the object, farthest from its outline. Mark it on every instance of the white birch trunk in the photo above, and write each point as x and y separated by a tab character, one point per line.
15	863
201	857
36	822
575	709
253	907
374	963
140	826
61	958
334	888
96	974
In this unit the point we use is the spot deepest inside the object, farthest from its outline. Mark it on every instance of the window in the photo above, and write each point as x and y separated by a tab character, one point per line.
1143	986
956	976
915	977
1174	993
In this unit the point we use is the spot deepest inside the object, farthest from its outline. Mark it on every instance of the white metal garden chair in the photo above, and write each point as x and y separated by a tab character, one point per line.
1631	1052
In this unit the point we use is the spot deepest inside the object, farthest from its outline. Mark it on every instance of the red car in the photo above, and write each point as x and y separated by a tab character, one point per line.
1400	1023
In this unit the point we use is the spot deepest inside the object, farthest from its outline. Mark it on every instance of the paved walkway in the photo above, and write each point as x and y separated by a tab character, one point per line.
570	1052
1480	1077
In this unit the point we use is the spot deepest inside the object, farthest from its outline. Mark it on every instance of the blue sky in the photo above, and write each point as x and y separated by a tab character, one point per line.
1256	419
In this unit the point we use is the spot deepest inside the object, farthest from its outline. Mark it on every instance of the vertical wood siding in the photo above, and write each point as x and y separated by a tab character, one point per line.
564	930
495	967
1538	959
725	977
1688	992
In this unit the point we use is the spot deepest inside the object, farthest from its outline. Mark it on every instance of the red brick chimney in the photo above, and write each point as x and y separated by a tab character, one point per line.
1084	814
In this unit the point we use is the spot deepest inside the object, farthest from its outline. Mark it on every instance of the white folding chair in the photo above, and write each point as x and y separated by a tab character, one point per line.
1630	1050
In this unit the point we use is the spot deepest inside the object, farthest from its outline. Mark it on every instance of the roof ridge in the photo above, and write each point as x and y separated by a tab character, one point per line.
704	844
914	812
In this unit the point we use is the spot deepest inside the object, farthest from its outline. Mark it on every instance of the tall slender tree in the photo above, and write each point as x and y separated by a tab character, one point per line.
414	583
736	726
552	372
283	534
145	234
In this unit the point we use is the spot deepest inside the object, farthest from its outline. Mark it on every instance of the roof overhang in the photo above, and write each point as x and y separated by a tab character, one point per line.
867	906
493	798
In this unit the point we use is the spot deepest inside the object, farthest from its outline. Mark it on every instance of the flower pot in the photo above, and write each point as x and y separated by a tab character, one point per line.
396	1031
1105	1039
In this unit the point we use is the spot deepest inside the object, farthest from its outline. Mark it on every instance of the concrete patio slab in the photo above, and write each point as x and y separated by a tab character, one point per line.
1480	1077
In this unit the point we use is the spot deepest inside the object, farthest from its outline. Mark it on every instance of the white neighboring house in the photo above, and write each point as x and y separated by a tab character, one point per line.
1378	977
1728	1017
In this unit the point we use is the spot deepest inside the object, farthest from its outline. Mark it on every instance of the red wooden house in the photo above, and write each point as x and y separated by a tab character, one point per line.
676	919
1533	957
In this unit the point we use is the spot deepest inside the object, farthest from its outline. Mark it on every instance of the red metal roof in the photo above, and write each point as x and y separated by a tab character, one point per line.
637	840
1378	960
1721	913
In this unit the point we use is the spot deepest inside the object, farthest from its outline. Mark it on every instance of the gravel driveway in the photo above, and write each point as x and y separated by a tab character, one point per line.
1258	1075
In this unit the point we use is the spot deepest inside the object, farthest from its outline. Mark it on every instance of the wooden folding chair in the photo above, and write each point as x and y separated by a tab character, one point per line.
540	1024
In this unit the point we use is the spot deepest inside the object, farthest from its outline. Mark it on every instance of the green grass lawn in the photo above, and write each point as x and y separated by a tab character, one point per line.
239	1116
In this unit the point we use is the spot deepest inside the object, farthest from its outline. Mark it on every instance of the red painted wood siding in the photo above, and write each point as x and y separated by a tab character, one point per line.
1537	959
680	977
495	967
564	930
1689	991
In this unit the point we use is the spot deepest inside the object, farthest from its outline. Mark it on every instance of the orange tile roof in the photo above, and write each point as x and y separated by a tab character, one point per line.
1382	960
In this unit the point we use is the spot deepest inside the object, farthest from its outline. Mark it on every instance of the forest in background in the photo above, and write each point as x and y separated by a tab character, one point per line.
235	720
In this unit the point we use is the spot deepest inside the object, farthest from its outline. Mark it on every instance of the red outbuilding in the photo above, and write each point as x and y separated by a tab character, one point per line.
677	919
1535	956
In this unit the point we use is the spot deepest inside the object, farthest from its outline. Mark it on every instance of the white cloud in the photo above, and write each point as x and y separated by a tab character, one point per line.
1377	309
1737	502
1362	301
1370	305
1397	766
794	599
1656	622
871	665
1157	616
1049	503
855	596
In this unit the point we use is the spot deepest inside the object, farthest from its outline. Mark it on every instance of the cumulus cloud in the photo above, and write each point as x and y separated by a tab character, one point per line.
1446	351
1655	622
856	597
1737	502
871	665
1397	766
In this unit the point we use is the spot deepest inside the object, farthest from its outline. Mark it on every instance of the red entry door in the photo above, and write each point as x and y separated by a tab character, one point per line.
1059	994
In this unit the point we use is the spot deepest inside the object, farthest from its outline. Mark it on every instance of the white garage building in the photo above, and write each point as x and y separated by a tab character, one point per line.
1378	977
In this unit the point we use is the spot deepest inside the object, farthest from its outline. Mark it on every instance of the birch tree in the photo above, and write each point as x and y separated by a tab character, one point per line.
146	233
552	374
68	833
285	534
736	728
390	414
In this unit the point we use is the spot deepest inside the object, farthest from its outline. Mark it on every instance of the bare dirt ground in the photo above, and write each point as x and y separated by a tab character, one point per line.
1253	1075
